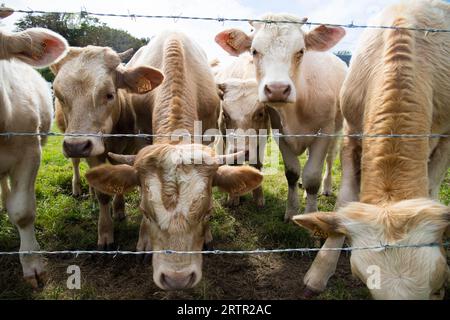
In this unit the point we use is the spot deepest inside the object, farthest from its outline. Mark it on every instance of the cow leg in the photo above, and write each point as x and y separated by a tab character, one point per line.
105	222
233	201
438	165
76	180
4	186
292	171
312	174
327	181
351	171
21	207
258	195
144	242
324	265
119	207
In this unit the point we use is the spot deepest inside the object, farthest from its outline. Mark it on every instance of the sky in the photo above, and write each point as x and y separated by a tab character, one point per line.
329	11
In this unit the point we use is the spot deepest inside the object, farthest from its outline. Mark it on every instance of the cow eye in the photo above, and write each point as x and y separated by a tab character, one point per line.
110	96
254	52
300	53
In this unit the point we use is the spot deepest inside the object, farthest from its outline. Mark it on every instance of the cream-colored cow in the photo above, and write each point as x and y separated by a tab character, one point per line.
175	176
243	114
96	94
301	85
25	106
398	84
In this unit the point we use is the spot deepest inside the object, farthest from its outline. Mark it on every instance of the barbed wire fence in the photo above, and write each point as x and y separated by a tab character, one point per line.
318	134
129	15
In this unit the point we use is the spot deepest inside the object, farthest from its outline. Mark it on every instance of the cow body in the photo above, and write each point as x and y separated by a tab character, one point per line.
398	84
25	106
301	85
243	114
176	176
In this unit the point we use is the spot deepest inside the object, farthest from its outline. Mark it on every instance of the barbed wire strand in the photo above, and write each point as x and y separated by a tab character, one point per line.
223	19
223	252
230	135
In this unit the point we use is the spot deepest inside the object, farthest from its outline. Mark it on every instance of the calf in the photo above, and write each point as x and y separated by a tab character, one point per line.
25	106
398	84
243	114
301	85
96	94
175	176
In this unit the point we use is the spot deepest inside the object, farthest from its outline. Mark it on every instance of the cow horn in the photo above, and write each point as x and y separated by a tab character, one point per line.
126	54
229	158
121	158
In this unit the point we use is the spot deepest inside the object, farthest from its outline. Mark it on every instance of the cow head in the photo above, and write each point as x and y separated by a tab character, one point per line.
242	112
176	184
278	50
404	273
36	46
87	92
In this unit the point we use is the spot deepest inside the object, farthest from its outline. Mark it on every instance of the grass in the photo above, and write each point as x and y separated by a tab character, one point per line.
64	222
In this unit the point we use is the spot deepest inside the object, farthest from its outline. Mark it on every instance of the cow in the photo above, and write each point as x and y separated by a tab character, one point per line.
300	83
25	106
398	83
243	114
175	176
96	94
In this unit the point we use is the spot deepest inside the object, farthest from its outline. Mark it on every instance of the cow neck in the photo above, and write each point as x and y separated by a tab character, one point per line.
395	169
174	111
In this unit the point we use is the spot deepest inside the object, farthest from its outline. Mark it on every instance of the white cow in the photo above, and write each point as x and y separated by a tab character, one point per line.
25	106
301	85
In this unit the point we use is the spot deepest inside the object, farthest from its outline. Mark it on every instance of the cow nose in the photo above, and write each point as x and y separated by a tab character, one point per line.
177	281
78	149
277	91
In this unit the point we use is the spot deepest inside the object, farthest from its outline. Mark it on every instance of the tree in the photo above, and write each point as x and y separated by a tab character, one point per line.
81	30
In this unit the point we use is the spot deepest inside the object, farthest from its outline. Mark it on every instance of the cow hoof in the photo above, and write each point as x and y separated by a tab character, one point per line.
288	216
260	203
37	281
120	216
308	293
208	246
107	247
327	193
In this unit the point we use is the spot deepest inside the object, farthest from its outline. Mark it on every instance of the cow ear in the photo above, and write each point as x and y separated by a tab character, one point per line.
139	80
234	41
71	54
323	38
113	180
37	47
324	223
237	180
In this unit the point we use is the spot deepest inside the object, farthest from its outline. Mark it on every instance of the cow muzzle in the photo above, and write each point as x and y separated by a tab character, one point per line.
177	280
277	91
78	148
